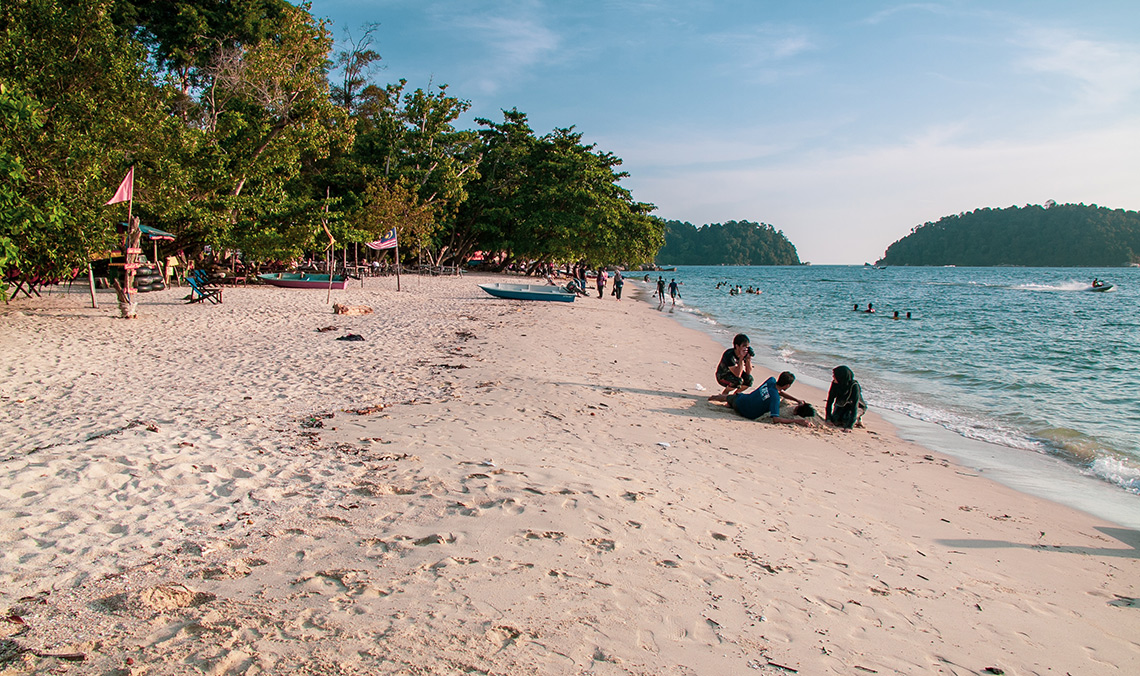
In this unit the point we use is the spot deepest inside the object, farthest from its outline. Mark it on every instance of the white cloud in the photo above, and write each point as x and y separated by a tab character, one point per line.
1108	73
506	48
847	208
882	15
764	44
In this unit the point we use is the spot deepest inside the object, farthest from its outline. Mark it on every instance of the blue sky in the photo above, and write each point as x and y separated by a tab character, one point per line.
842	123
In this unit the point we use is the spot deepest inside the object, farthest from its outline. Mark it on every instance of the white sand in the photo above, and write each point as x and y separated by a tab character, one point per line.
544	490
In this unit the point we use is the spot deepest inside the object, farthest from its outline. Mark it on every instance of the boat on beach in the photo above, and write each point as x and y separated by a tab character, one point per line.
303	280
528	292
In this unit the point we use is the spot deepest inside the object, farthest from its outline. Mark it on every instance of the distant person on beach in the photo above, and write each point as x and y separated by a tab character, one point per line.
674	291
601	280
572	287
845	405
734	371
619	282
765	400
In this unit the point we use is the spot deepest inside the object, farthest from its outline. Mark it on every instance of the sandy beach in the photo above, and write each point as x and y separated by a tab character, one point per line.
483	486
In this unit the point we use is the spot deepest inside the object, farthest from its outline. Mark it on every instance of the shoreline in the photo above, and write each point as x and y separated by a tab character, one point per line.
1030	472
499	487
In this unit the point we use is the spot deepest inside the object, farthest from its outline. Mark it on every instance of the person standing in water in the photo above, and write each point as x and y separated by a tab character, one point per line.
674	291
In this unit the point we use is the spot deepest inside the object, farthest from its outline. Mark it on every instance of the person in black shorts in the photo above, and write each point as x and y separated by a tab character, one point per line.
734	371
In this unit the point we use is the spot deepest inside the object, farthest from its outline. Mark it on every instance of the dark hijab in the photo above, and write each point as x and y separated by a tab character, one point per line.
844	381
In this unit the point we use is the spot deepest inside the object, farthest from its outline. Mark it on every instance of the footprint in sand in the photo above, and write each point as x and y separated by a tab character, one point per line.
547	535
502	635
602	544
435	539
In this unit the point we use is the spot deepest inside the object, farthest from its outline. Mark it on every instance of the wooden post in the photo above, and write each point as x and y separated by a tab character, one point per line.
128	304
91	283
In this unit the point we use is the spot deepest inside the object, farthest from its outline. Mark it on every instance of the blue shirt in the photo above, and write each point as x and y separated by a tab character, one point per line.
763	399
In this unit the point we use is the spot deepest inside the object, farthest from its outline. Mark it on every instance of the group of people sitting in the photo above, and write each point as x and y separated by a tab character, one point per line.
844	409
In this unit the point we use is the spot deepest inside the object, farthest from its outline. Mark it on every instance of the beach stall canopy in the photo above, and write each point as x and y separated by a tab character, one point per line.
154	234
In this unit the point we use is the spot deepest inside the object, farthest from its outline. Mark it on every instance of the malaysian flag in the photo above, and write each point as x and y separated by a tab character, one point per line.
388	241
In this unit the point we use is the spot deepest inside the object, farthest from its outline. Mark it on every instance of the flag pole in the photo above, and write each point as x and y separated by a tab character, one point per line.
331	257
397	250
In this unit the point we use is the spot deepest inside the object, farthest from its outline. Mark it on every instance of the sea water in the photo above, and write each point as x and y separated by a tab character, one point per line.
1021	372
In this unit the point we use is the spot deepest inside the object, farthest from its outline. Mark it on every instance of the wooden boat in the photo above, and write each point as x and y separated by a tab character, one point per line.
528	292
303	280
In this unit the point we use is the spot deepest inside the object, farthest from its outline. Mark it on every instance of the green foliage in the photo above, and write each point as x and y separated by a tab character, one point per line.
185	36
553	199
241	145
389	205
731	243
1052	236
238	141
95	104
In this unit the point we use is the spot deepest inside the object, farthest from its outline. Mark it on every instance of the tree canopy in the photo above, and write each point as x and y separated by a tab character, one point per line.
731	243
247	132
1037	236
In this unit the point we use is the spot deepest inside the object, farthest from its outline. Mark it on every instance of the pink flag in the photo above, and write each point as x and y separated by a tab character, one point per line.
126	191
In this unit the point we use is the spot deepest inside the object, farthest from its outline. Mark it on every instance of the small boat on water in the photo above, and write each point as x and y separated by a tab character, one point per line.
303	280
528	292
1101	287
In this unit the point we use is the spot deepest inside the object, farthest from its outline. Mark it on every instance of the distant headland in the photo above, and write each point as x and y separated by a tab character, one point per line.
1052	235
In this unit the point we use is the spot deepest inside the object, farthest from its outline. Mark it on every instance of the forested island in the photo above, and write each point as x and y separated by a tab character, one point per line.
243	129
1053	235
731	243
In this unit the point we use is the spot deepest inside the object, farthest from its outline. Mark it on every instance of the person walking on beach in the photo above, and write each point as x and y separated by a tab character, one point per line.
674	291
601	280
734	371
619	282
660	291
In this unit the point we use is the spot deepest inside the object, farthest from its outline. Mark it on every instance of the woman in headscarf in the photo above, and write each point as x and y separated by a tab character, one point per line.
845	405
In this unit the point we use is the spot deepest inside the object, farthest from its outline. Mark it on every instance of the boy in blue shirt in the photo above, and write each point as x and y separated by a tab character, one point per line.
764	399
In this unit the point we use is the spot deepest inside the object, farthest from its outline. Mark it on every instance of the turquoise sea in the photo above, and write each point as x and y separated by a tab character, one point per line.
1023	373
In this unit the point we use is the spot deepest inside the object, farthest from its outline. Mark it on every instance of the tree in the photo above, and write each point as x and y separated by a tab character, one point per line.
1054	236
91	110
395	205
553	199
255	116
355	64
410	137
731	243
